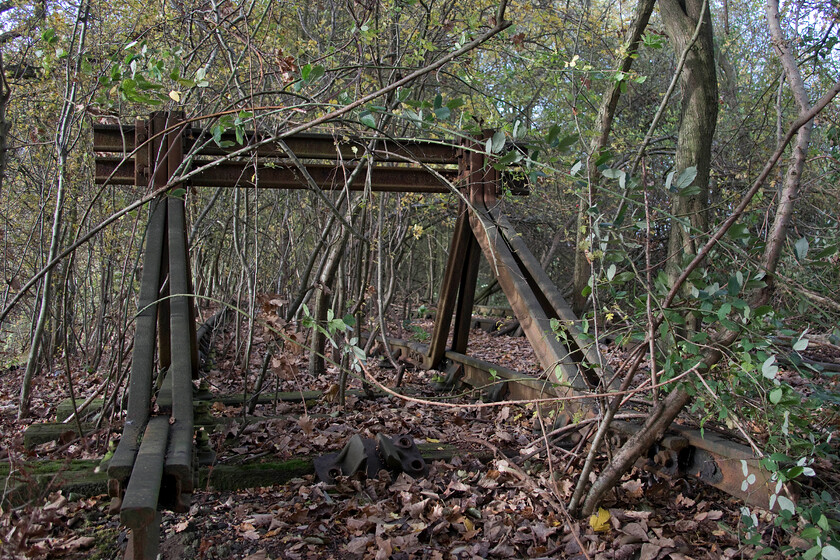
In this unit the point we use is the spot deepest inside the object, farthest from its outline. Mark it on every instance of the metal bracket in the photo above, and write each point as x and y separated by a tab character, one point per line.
360	454
454	372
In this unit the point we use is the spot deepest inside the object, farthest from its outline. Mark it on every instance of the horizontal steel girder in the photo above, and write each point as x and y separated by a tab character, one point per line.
120	139
286	176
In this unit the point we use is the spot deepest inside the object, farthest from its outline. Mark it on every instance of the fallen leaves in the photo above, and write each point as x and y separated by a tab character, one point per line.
600	522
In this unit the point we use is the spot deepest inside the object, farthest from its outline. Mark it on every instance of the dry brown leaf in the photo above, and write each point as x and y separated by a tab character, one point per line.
306	424
359	544
633	488
685	525
649	551
636	530
78	543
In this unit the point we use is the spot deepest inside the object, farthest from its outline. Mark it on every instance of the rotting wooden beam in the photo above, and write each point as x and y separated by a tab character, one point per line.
139	510
179	457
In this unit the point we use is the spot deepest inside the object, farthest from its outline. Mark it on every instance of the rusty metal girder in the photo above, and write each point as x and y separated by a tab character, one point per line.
398	454
286	176
552	354
710	458
120	139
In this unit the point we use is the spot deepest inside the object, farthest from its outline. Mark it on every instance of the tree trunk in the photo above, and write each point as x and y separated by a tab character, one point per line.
317	365
609	103
698	118
63	139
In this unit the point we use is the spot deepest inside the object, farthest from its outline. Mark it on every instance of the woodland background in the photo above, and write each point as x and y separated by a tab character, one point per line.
683	159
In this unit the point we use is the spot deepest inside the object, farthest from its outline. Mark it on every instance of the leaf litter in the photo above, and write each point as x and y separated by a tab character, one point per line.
487	502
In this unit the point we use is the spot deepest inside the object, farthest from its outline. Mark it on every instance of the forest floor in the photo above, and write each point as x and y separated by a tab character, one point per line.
502	496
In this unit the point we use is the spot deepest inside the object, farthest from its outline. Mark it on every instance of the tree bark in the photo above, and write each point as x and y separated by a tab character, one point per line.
698	119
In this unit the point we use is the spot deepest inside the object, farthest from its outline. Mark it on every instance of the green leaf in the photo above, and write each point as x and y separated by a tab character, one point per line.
776	395
438	101
412	116
442	113
453	104
603	158
830	553
810	533
800	248
567	142
786	504
686	177
812	552
612	173
654	41
822	522
611	273
827	252
800	344
512	156
769	369
739	231
625	276
49	36
575	168
553	134
367	119
498	141
733	286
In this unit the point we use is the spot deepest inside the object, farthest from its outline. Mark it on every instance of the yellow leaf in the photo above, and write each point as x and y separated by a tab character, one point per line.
469	524
600	522
432	440
175	96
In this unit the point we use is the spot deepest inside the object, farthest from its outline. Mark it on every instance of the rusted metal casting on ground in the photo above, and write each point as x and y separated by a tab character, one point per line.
364	455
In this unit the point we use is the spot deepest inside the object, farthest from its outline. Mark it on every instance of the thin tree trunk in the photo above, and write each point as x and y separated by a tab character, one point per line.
609	103
65	130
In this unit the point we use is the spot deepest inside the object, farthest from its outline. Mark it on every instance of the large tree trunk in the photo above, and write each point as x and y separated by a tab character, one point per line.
698	119
686	22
